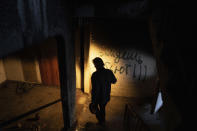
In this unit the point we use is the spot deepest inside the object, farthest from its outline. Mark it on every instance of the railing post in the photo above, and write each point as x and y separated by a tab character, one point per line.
133	122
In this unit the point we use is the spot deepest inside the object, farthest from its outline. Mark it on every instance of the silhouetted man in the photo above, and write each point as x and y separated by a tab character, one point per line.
101	87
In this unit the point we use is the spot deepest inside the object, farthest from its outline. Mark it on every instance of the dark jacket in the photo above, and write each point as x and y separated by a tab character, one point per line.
101	85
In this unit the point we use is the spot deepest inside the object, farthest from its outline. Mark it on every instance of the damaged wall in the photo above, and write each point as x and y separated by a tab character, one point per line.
21	67
24	23
31	69
13	68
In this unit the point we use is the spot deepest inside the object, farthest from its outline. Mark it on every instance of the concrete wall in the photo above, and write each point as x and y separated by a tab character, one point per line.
135	77
2	72
13	68
78	59
31	69
134	68
19	69
38	71
82	45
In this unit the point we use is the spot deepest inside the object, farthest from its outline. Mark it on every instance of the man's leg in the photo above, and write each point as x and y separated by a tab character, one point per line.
102	112
98	114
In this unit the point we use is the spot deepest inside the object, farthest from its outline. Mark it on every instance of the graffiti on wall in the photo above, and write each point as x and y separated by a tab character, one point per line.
125	62
122	54
126	70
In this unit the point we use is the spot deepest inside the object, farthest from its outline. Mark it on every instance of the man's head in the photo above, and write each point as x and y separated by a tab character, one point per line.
98	63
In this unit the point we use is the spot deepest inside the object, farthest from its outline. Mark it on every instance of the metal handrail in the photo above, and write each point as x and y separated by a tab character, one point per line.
6	123
132	121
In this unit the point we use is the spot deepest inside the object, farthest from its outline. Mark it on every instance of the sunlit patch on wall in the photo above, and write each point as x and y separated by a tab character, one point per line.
130	66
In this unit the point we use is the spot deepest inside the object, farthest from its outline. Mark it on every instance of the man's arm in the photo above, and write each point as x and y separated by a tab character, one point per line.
113	78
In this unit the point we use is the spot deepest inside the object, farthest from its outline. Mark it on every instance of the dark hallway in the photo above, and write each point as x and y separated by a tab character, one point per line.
46	53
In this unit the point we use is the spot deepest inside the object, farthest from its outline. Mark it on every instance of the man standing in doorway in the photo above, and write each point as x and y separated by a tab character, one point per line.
101	88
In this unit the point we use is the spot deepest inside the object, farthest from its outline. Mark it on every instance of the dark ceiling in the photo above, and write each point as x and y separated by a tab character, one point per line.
120	8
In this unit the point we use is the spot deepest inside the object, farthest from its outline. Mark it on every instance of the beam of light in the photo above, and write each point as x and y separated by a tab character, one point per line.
130	66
